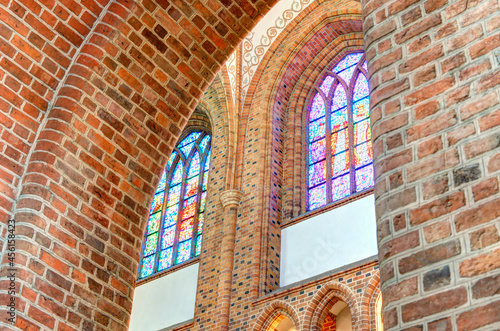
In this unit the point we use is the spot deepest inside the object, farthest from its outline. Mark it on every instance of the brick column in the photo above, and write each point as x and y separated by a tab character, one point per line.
434	76
230	200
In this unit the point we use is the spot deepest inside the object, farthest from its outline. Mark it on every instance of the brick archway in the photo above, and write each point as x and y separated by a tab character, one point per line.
323	301
370	295
275	312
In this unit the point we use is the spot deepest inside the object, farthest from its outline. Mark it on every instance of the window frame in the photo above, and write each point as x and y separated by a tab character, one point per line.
353	195
186	161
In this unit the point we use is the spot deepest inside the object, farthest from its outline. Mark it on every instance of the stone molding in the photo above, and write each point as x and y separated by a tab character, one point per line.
230	198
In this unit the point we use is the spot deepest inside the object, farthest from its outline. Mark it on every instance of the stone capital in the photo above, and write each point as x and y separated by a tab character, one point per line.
230	197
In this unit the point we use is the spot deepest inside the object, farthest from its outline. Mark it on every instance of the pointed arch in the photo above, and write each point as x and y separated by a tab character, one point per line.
368	311
275	312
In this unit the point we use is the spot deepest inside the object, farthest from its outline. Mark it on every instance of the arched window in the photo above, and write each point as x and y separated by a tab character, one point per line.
175	226
340	148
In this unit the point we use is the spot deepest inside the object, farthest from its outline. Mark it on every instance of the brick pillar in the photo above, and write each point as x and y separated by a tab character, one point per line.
434	76
230	200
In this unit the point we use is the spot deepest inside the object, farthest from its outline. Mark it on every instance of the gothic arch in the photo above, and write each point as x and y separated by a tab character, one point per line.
321	303
274	311
370	295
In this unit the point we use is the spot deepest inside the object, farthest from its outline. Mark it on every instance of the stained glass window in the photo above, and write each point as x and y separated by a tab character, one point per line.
339	135
175	226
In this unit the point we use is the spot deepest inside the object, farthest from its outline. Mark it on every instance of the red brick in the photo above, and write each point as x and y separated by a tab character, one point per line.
478	317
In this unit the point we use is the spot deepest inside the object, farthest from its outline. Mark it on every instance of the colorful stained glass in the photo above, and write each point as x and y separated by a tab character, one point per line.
168	237
203	200
340	141
177	176
349	60
317	151
183	251
192	186
186	230
346	74
147	266
204	143
154	223
163	181
340	163
207	162
365	66
157	202
198	246
317	173
340	187
151	243
171	159
192	137
317	129
363	154
194	166
360	88
201	219
165	259
361	109
189	207
171	215
205	182
174	194
317	197
364	178
338	120
317	108
362	132
339	98
186	149
327	84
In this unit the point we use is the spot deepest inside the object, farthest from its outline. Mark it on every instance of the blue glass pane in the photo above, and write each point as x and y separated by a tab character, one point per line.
147	266
183	251
187	149
177	176
361	109
201	220
168	237
171	159
361	89
339	98
204	143
198	246
192	137
317	129
340	187
194	167
165	259
163	181
346	74
317	108
365	66
327	84
174	194
207	161
317	197
348	61
205	181
171	215
364	178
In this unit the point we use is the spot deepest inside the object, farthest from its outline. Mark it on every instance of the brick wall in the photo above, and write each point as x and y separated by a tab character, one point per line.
434	80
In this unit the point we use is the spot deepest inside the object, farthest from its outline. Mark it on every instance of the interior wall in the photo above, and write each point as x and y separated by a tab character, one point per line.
165	301
330	240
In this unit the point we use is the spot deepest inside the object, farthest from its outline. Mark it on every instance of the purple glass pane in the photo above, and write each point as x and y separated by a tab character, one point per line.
177	176
189	207
151	243
339	98
317	173
361	109
147	266
174	195
362	132
327	84
194	166
363	154
198	246
154	223
183	251
165	259
317	197
317	129
340	141
168	237
171	215
340	187
338	120
317	108
186	230
364	178
365	66
348	61
340	163
317	151
157	202
361	88
163	181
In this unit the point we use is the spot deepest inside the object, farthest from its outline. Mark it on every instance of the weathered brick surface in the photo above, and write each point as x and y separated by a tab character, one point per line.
451	104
